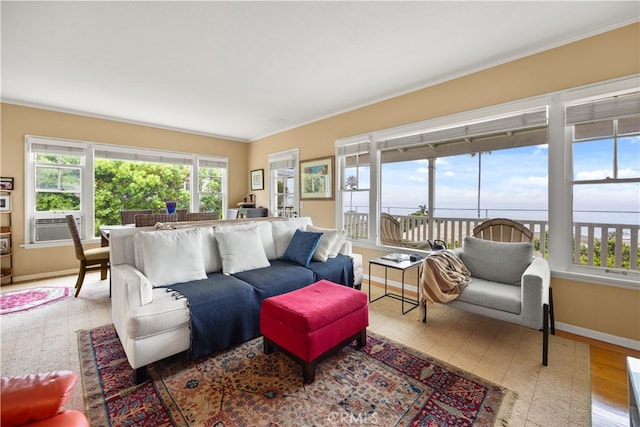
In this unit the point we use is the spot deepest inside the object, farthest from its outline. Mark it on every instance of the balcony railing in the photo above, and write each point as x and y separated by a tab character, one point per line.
620	252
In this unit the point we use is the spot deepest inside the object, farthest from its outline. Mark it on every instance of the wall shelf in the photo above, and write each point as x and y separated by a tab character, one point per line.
6	238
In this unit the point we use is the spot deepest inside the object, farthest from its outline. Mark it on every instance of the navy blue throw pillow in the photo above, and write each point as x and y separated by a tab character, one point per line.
302	246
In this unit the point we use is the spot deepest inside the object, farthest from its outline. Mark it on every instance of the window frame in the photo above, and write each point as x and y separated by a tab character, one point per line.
91	152
559	170
289	159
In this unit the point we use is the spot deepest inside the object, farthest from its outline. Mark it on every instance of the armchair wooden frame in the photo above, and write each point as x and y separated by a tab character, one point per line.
391	234
503	230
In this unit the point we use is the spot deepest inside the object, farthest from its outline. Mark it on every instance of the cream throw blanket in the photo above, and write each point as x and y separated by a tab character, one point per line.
444	277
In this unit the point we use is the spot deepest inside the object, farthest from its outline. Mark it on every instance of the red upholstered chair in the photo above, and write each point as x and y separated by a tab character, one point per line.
37	399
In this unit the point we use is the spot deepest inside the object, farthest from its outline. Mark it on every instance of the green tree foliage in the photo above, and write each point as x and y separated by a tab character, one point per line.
132	185
610	252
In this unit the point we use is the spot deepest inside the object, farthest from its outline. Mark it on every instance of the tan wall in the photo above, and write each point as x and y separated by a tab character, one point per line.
18	121
599	58
603	57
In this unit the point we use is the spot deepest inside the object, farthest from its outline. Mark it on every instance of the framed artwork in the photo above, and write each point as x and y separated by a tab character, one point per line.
257	179
316	179
6	183
5	202
5	245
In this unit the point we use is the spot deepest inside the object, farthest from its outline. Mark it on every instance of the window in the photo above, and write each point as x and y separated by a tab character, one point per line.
95	181
354	176
466	172
605	142
212	176
283	186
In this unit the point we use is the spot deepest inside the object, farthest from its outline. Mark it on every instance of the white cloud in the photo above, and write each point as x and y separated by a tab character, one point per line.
594	174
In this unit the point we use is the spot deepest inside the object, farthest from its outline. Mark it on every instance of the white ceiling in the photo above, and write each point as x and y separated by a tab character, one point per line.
245	70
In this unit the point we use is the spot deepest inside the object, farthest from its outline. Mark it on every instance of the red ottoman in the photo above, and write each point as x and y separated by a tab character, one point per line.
309	324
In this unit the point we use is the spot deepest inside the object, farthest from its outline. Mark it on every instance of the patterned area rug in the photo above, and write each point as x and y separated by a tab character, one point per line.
382	384
27	299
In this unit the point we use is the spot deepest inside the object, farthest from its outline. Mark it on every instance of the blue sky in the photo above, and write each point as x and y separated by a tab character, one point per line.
514	179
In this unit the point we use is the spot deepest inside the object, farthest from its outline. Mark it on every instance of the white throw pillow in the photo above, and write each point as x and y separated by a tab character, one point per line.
283	232
266	235
240	249
326	244
210	254
171	256
338	243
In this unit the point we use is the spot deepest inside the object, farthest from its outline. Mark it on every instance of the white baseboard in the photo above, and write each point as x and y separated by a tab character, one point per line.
576	330
48	275
600	336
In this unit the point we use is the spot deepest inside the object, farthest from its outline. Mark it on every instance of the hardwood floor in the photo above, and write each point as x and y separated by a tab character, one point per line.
609	399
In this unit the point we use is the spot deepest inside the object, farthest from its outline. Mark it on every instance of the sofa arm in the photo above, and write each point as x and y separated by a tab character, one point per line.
136	287
347	248
35	397
535	284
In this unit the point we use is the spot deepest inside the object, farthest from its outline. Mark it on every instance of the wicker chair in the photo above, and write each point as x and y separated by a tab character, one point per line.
503	230
127	216
87	257
391	234
149	220
202	216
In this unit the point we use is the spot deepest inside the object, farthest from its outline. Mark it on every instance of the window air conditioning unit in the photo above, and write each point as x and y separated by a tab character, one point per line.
52	228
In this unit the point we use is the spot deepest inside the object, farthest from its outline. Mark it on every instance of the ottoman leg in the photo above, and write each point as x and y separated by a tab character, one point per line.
362	338
309	371
266	345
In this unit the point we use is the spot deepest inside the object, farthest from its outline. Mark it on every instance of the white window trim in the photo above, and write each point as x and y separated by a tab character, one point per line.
293	156
87	184
559	169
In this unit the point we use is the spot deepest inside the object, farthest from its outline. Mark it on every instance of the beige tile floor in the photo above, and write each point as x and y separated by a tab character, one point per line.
558	395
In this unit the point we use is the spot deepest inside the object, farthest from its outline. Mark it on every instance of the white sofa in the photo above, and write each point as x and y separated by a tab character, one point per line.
153	324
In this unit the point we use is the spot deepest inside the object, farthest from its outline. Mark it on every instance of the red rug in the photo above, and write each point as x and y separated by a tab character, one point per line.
27	299
382	384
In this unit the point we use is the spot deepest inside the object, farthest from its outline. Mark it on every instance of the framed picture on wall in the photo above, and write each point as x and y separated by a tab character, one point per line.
5	202
316	179
257	179
5	245
6	183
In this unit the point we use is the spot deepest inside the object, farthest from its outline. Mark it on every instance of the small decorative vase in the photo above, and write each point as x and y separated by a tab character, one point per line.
171	207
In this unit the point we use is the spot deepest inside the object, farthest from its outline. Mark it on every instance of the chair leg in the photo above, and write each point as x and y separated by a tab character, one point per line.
81	274
140	375
545	334
551	317
103	270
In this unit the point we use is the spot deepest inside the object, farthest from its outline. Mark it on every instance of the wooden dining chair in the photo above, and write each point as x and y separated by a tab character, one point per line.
503	230
202	216
149	220
127	216
95	258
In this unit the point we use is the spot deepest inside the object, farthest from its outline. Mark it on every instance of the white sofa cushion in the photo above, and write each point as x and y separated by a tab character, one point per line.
210	253
283	232
170	256
240	249
264	229
330	243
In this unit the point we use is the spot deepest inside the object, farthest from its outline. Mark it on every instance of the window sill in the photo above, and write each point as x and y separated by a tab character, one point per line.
58	243
630	282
